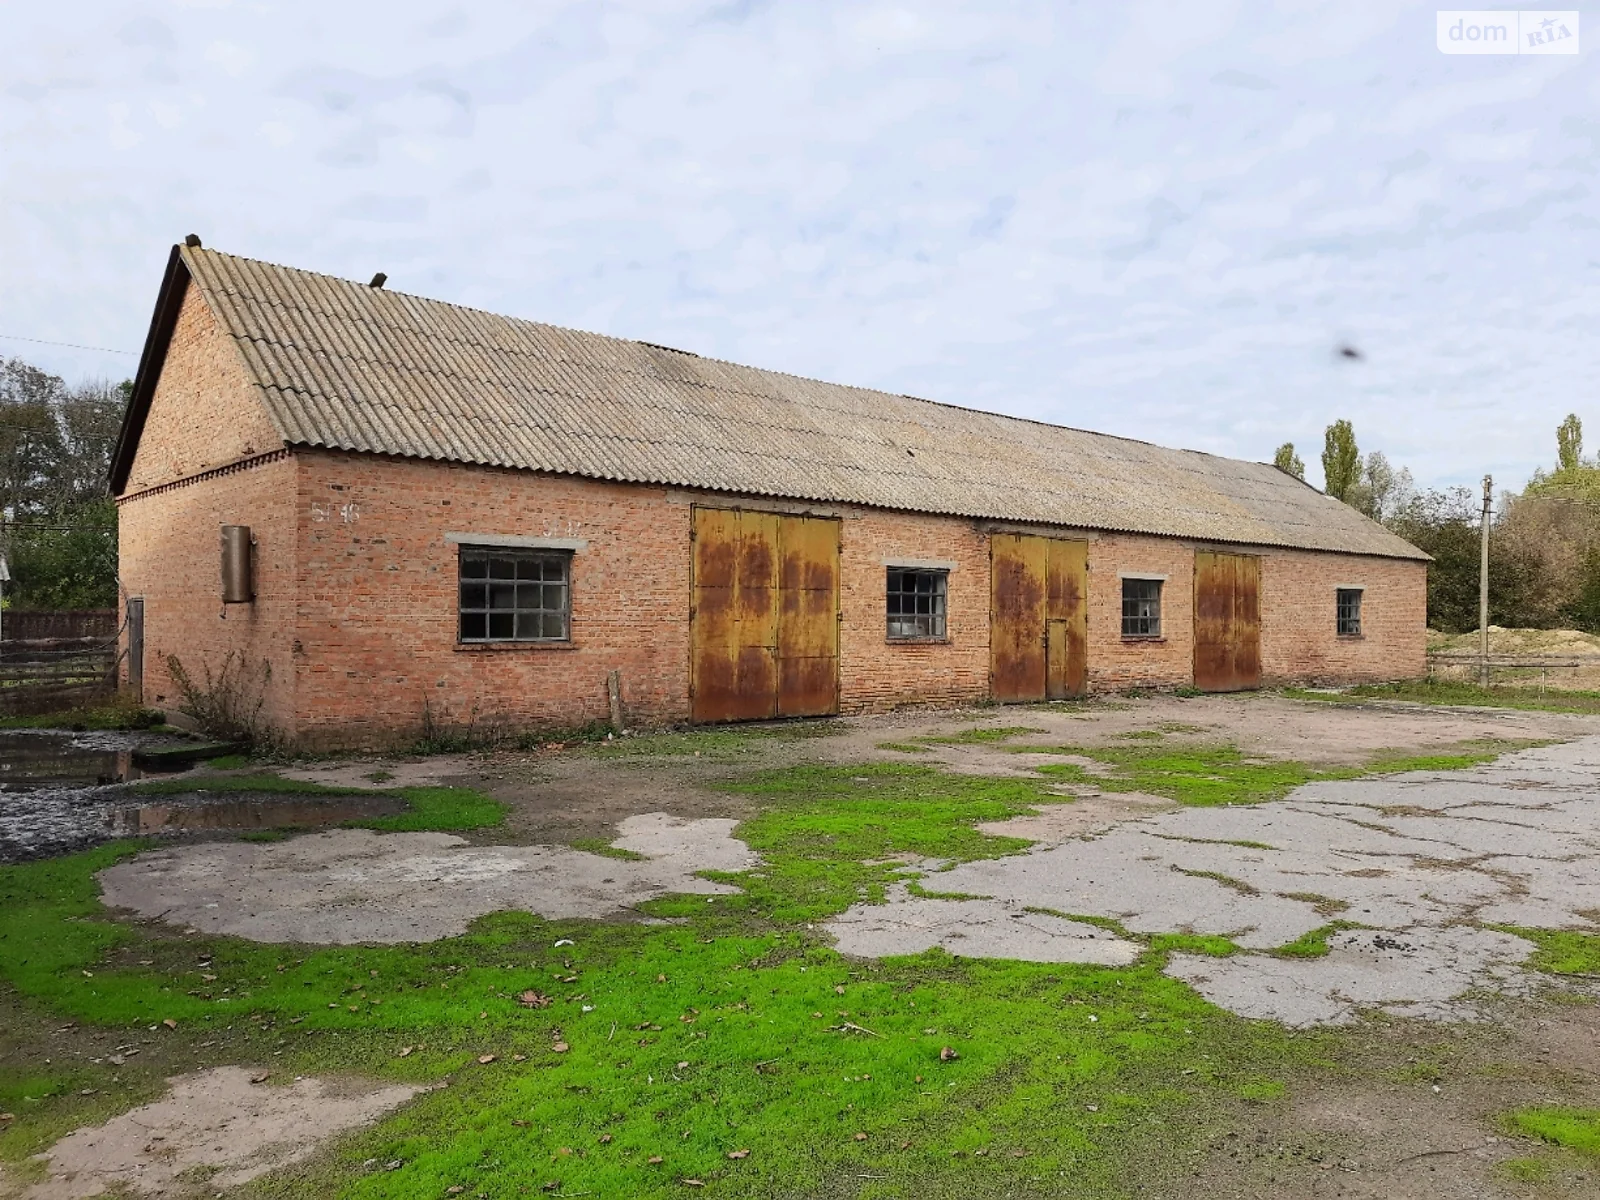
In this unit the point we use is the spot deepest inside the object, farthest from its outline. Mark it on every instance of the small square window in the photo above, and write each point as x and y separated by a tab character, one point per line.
1141	608
1348	611
916	603
495	607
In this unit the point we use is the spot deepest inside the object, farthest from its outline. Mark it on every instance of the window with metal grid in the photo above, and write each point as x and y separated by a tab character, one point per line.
916	603
1141	608
1348	611
510	595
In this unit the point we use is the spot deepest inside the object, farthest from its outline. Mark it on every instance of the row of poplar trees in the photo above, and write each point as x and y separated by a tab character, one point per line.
1544	565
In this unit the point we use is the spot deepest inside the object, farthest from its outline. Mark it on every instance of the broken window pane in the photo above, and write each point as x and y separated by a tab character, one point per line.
1347	616
916	602
1141	608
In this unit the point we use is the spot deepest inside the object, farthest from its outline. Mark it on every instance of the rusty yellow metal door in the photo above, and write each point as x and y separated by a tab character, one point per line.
808	616
733	615
763	616
1067	618
1227	621
1038	617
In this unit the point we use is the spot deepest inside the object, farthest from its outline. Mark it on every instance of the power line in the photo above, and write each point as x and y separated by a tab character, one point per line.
17	337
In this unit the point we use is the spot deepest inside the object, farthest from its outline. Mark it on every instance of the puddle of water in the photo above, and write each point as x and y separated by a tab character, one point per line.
247	814
59	793
29	761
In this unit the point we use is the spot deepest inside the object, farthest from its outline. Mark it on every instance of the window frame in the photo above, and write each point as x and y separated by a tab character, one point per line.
938	616
1152	630
1340	618
537	579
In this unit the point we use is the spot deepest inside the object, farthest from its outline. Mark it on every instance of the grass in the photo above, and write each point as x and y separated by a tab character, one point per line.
725	1032
1314	944
736	1027
1561	952
447	809
1211	945
1575	1128
105	717
904	748
606	849
1467	694
981	735
729	743
1206	776
831	835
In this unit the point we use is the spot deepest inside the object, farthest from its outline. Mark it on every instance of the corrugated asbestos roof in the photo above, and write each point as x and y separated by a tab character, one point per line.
350	367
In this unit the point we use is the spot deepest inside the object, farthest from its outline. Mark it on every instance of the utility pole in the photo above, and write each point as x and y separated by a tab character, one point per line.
1483	584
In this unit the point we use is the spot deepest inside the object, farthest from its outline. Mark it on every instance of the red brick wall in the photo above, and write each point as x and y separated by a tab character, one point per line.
356	612
205	413
376	626
1116	662
170	548
1299	639
875	673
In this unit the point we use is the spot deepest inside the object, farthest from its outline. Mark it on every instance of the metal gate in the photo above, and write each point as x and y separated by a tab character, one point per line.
764	615
1227	621
1038	617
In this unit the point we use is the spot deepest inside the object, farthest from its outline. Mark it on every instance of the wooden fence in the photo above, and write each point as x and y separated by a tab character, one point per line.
51	661
1539	670
27	625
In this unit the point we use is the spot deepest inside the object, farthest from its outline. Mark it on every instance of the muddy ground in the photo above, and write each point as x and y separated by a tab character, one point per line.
558	795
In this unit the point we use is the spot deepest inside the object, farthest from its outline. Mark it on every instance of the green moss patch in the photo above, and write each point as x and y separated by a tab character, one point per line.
1561	952
980	735
1205	776
1314	944
736	1030
602	847
1575	1128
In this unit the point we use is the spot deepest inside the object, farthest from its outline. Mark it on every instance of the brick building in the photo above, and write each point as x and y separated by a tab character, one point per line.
435	513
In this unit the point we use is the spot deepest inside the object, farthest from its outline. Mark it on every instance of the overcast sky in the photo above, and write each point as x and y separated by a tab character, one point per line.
1153	219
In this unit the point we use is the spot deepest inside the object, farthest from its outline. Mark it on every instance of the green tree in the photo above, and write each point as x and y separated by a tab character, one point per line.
1444	524
1380	490
66	559
1341	460
1569	444
60	536
1286	460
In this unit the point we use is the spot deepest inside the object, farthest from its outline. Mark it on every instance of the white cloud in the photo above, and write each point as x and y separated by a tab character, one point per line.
232	58
1152	217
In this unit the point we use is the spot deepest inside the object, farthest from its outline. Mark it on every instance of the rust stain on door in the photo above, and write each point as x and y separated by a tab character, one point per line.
764	629
1038	617
1227	621
1067	614
808	617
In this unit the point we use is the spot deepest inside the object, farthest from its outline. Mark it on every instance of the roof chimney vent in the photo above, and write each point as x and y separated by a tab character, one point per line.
192	241
379	280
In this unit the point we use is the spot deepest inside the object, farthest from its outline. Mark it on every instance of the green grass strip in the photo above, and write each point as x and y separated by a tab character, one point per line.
1575	1128
1464	694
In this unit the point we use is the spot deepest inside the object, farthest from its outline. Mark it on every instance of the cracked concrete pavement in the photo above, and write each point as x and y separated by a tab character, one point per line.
352	885
1427	858
230	1123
